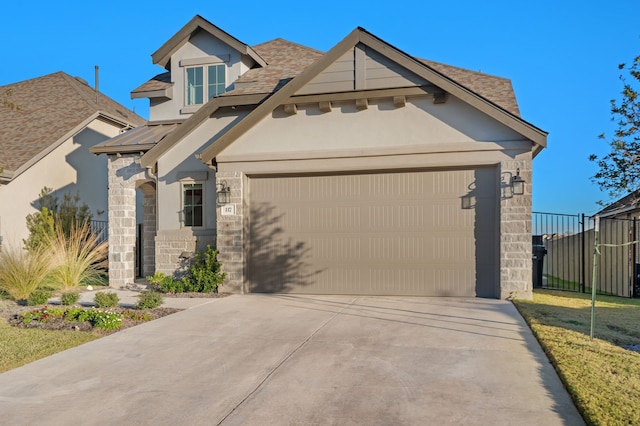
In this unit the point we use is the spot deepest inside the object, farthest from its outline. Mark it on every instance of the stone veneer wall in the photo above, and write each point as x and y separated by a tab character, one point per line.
124	172
230	234
515	235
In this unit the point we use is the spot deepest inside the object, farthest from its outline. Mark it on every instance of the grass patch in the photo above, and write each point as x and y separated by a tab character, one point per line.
22	346
601	376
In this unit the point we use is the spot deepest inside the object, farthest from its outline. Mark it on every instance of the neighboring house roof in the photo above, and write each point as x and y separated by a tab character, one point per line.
162	56
52	109
627	204
291	65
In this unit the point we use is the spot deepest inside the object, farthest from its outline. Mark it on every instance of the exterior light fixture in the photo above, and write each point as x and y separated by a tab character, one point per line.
224	193
517	183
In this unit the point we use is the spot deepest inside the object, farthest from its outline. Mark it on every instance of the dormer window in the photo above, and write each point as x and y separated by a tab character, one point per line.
203	83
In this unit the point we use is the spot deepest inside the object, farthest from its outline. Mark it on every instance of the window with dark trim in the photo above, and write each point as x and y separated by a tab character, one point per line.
192	204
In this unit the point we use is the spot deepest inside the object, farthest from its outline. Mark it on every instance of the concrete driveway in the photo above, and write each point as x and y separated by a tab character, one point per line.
301	360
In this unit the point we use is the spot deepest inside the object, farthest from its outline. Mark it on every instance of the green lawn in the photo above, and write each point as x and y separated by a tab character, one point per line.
19	346
602	377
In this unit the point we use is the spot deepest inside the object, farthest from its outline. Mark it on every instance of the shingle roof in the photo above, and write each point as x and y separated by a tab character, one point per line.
496	89
159	82
626	204
286	60
50	107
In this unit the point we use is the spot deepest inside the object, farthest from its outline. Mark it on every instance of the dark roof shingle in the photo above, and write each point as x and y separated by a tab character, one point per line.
49	108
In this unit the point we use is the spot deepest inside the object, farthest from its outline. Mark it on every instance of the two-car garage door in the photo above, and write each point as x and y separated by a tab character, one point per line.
407	233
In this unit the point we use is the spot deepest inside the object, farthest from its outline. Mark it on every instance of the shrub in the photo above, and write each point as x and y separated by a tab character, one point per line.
78	257
137	315
105	300
149	300
21	271
43	314
105	320
69	298
166	283
73	314
38	297
204	275
53	217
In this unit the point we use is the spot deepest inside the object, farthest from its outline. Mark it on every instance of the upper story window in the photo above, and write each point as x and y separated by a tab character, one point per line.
203	83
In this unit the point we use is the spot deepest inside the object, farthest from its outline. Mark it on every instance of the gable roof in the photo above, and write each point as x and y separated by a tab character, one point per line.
285	61
288	61
496	89
52	109
420	68
628	204
162	56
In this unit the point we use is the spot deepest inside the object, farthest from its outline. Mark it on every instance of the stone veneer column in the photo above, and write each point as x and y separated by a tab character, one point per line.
124	171
231	235
515	234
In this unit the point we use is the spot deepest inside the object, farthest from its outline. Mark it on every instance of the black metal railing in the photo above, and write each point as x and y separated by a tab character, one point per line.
101	229
568	242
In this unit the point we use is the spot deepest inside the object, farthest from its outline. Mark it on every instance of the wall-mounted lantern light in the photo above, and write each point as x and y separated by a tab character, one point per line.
517	183
224	193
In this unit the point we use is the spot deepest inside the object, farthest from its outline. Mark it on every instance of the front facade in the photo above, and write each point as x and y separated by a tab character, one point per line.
361	170
45	142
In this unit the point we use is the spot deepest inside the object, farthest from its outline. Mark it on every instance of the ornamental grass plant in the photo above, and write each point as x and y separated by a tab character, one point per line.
77	257
22	271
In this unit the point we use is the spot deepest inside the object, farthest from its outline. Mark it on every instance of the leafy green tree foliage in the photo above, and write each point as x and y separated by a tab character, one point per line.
619	170
67	215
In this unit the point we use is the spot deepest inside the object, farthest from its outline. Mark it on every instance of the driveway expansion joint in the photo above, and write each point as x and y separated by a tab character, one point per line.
286	358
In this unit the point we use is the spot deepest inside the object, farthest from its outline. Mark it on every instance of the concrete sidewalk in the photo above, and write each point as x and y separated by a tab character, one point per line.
301	360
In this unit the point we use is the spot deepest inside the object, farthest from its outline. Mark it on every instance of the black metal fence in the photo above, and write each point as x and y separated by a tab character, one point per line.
101	229
567	245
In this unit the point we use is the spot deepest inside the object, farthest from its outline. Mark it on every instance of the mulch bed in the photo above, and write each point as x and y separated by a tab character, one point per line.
11	310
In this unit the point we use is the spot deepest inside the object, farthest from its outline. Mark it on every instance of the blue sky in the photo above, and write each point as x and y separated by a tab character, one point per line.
561	56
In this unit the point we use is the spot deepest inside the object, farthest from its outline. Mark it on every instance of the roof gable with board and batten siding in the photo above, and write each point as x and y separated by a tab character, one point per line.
363	62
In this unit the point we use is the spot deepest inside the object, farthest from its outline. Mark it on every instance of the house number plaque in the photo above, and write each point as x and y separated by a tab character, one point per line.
228	210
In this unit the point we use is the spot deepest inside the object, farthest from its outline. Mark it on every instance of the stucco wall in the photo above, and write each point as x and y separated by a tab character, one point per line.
61	170
418	136
201	45
382	125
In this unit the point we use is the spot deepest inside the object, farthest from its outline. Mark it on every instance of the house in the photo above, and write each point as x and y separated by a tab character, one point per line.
361	170
626	207
45	141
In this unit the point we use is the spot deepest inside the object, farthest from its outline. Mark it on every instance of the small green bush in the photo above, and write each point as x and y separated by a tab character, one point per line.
69	298
136	315
149	300
166	283
38	297
203	276
73	314
105	320
106	300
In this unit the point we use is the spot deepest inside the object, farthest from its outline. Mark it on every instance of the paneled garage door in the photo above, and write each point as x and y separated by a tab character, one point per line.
412	233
